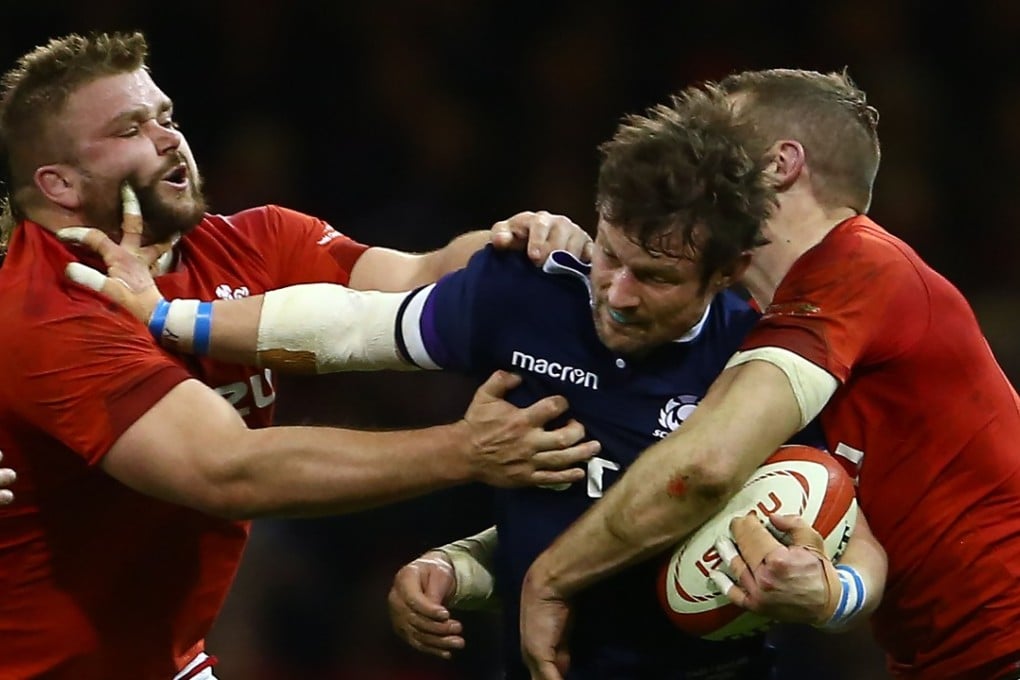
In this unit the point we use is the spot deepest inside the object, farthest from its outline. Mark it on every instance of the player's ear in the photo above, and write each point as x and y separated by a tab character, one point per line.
726	277
59	184
786	160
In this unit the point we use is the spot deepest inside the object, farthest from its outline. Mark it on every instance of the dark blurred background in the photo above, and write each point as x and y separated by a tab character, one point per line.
406	122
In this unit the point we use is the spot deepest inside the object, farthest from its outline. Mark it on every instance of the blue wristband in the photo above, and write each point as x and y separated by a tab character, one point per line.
203	328
158	319
852	596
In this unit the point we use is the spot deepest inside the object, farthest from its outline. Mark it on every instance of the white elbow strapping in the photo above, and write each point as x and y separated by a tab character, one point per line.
812	385
343	329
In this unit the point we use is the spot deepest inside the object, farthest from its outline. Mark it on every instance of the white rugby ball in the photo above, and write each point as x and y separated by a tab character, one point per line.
796	479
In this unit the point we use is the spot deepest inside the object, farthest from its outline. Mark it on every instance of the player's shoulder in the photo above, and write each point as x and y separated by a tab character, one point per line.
511	274
257	217
860	241
730	307
514	269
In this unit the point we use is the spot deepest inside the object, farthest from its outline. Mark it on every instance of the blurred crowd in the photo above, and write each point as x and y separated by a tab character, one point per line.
405	122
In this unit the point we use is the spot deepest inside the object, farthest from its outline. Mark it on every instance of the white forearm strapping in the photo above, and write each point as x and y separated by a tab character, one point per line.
339	328
812	385
472	567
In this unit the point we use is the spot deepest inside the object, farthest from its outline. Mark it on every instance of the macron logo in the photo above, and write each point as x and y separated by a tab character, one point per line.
554	369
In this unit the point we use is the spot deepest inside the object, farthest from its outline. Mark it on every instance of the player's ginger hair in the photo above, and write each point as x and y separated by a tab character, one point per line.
828	114
34	93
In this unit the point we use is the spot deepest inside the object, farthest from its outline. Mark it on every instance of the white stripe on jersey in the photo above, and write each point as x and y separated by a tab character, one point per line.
409	326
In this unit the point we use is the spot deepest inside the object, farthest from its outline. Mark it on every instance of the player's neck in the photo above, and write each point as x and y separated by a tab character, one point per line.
792	231
55	218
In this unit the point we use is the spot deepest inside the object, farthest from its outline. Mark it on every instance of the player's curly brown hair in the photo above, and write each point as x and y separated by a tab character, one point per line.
33	93
682	165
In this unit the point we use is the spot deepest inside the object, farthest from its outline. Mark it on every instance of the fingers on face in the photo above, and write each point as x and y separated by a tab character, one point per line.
131	222
129	201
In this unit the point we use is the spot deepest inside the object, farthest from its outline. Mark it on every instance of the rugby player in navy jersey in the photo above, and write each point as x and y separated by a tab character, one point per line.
632	342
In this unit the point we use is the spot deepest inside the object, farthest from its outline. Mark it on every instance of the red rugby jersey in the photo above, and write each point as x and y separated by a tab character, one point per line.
926	418
98	581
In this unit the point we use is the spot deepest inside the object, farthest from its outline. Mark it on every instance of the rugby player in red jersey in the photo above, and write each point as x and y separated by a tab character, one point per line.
138	470
857	327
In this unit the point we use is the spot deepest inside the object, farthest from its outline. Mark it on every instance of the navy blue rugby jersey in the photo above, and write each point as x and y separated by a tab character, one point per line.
502	312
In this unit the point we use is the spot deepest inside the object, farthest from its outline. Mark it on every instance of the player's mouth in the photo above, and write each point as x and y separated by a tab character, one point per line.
177	177
618	317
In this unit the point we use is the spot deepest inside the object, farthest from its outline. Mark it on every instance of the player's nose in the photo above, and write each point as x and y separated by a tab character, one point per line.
622	291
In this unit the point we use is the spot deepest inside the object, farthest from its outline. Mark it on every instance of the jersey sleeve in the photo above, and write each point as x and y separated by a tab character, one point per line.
451	324
855	301
86	376
299	248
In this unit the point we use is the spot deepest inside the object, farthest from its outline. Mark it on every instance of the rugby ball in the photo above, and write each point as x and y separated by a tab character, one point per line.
799	480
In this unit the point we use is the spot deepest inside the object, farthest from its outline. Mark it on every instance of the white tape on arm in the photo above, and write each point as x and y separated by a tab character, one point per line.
812	385
339	328
472	566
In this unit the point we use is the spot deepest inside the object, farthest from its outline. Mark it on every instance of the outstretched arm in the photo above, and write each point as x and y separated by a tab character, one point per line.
309	328
193	449
539	233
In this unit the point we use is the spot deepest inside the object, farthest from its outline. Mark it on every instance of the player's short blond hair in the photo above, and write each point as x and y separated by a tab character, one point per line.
831	118
34	92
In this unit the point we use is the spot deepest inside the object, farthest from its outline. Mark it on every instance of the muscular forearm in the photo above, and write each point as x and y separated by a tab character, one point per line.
451	257
392	270
192	448
680	482
317	471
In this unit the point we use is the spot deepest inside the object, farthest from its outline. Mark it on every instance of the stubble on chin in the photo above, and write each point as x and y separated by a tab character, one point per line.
164	219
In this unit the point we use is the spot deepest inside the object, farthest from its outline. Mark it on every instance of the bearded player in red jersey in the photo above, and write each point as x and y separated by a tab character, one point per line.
137	469
857	327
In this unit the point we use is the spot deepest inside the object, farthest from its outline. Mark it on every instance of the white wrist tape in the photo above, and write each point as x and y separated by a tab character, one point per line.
472	567
179	331
851	599
331	328
182	325
812	385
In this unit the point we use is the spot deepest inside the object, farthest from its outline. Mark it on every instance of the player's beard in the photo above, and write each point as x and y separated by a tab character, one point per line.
163	217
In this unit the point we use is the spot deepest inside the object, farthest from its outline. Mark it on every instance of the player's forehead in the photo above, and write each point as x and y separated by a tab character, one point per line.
102	101
670	249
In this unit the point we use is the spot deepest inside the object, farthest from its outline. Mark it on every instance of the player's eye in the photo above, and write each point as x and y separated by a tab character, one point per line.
129	132
607	253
